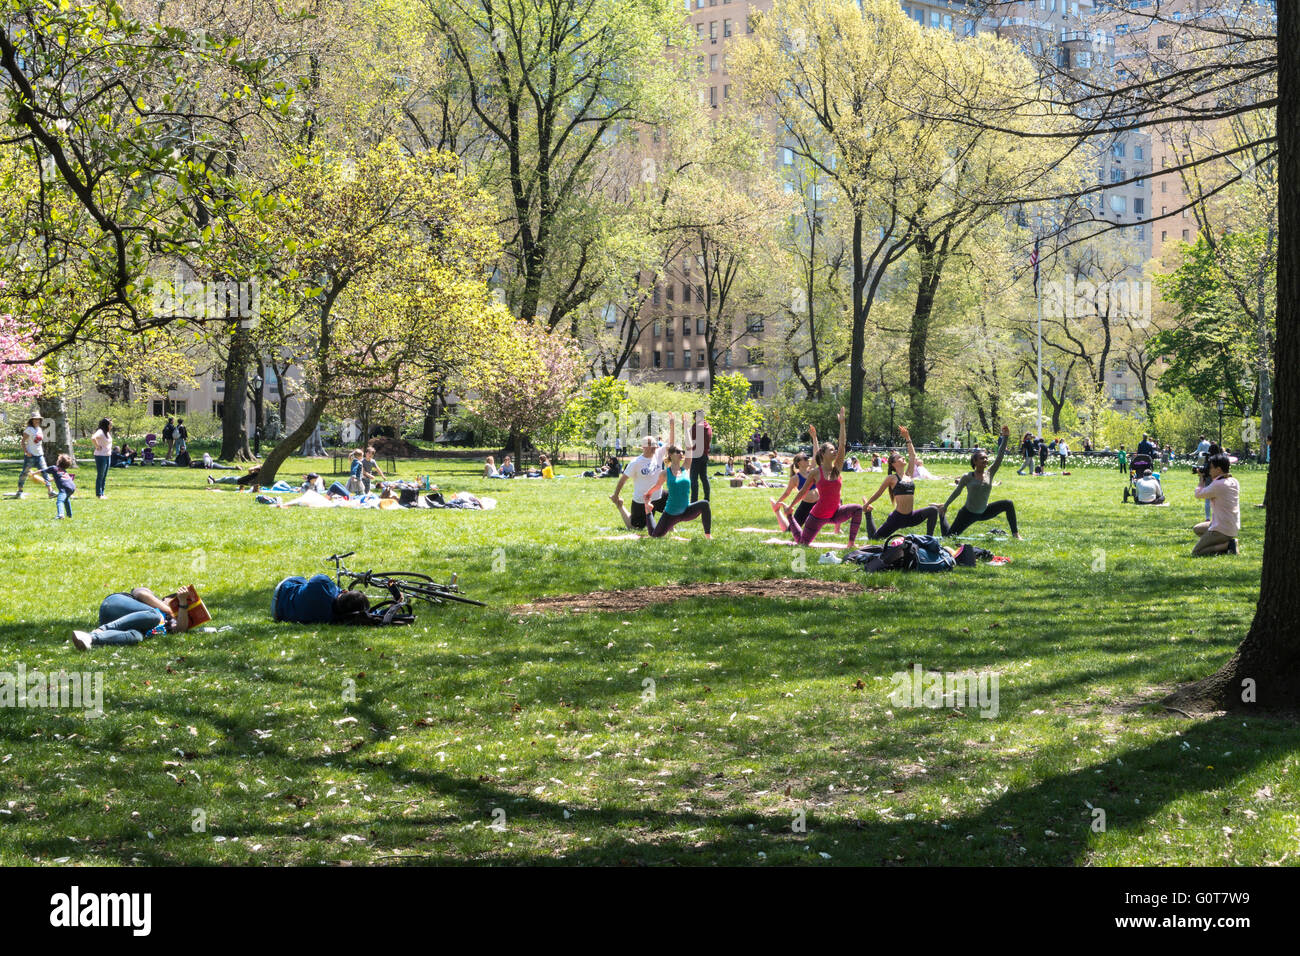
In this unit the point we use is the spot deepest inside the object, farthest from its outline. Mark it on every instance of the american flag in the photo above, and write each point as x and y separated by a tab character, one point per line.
1033	261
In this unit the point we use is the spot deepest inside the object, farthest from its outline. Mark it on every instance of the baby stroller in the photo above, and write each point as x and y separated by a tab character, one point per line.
1137	467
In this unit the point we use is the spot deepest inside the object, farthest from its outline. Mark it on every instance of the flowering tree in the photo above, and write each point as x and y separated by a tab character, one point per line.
529	382
18	382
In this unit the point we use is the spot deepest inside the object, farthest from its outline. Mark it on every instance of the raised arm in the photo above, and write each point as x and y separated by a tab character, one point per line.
672	430
911	452
688	443
843	445
1003	440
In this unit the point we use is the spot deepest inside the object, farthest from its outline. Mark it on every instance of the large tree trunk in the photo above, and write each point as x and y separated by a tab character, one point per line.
1264	674
55	407
292	442
857	353
919	335
234	406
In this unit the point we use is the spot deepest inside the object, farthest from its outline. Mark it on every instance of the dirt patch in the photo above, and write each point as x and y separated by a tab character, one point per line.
633	599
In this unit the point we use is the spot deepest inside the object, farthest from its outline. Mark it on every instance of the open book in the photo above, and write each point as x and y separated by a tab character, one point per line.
198	611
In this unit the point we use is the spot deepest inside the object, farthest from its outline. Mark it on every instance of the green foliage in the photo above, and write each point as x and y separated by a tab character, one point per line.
1179	420
732	413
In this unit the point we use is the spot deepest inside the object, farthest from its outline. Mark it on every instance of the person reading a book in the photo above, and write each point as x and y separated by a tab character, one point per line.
129	617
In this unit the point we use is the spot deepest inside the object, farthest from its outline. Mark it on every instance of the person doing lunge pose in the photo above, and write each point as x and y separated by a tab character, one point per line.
676	476
978	484
828	509
801	472
900	481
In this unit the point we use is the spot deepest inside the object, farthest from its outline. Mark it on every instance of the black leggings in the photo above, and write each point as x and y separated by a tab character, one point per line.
897	521
666	522
966	518
803	511
699	473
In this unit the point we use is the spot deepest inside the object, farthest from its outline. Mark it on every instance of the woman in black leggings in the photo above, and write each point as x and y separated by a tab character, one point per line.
900	482
978	484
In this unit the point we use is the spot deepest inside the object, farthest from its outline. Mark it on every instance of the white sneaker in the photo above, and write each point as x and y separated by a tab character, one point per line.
82	639
830	557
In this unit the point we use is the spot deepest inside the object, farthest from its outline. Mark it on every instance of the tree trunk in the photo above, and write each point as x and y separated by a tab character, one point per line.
919	335
1264	674
857	354
234	407
55	407
292	442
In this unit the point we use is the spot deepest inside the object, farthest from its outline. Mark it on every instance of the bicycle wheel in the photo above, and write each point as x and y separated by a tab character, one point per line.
436	593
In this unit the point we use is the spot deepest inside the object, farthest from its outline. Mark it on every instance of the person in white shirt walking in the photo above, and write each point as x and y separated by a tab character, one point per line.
33	454
1219	534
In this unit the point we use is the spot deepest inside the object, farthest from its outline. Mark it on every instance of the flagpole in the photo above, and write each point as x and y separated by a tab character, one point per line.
1038	296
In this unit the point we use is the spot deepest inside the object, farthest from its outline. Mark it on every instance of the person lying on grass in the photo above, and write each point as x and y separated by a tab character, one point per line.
129	617
315	600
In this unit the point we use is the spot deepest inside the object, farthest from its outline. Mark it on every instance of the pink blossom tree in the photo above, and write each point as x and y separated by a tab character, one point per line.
530	381
20	381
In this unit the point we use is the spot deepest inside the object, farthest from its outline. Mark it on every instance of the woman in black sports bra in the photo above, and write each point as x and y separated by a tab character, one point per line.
900	482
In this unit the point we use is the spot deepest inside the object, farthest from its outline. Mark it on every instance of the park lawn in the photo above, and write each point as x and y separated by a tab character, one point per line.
242	746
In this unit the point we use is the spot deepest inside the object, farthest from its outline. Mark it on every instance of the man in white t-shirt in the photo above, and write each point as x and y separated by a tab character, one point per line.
1147	490
644	470
33	452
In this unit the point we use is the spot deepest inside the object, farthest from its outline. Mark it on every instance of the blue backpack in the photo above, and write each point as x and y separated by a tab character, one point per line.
931	555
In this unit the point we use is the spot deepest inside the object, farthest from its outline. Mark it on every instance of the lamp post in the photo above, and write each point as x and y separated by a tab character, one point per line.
1220	422
257	415
892	403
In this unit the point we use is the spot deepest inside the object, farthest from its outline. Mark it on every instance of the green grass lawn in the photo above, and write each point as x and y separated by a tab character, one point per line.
243	746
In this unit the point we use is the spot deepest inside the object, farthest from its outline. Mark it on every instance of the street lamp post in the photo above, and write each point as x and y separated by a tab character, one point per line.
1220	422
257	415
892	403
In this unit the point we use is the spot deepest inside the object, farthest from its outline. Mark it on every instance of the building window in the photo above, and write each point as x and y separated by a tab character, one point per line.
699	357
635	358
754	356
726	91
655	296
1137	152
1117	175
701	324
726	28
668	331
1185	235
672	357
686	359
713	31
657	362
713	97
1118	204
686	292
787	155
756	389
1139	206
672	291
754	324
1164	235
1117	150
658	329
686	325
1119	391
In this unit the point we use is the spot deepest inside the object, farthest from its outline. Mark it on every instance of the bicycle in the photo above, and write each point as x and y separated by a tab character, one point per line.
401	585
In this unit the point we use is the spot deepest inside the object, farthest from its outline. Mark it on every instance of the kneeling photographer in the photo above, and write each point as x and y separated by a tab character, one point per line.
1221	492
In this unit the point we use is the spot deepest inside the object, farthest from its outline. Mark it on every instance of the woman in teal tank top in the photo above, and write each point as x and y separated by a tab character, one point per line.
677	476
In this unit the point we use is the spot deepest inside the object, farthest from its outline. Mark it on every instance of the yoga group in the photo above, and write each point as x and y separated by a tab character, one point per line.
666	481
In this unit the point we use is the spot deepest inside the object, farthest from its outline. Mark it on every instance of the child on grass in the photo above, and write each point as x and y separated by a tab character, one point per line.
63	484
